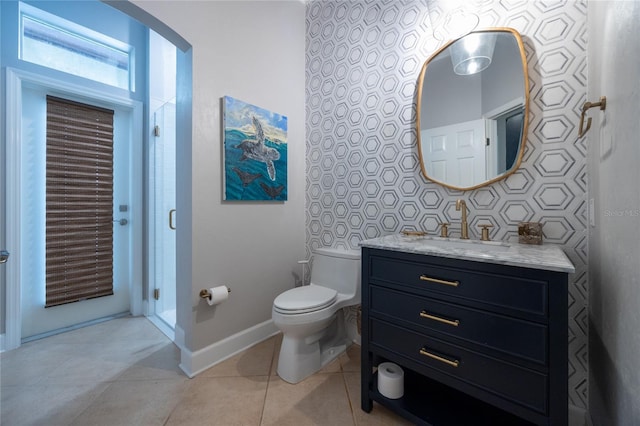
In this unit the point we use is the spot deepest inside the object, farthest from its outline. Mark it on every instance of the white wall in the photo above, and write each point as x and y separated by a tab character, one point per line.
253	51
614	243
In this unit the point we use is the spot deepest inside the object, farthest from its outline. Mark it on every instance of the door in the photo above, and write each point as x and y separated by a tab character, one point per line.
456	153
163	215
36	319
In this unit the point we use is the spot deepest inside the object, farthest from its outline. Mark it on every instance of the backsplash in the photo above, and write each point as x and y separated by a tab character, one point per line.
363	176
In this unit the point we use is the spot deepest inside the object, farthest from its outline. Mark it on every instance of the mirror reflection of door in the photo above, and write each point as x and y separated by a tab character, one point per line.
456	153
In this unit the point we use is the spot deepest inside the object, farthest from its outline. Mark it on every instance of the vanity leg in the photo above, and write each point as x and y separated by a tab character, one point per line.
366	378
366	358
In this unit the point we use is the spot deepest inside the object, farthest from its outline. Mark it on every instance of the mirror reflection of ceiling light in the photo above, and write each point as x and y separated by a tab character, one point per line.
472	53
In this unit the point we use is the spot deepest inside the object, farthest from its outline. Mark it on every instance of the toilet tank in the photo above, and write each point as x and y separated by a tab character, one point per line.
337	269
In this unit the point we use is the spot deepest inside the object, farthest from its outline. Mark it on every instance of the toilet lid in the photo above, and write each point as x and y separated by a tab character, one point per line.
306	298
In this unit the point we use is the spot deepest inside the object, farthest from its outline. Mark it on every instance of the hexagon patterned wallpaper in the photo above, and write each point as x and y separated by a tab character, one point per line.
363	176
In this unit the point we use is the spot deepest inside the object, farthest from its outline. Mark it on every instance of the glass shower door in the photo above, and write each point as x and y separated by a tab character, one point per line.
164	215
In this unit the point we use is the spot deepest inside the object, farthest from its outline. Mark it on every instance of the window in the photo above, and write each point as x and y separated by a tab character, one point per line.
79	202
53	42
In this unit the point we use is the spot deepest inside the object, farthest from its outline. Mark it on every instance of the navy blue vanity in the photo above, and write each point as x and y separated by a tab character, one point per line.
479	329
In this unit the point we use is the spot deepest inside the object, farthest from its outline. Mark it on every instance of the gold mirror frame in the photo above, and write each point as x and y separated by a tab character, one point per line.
525	124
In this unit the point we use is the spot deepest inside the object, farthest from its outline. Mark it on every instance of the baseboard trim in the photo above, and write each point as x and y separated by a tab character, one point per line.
193	363
179	337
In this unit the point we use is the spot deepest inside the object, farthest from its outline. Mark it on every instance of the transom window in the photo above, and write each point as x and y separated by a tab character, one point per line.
53	42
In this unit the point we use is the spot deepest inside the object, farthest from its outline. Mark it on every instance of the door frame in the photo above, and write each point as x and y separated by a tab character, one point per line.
492	130
15	79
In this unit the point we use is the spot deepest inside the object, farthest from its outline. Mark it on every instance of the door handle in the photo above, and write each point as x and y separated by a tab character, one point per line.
122	222
4	256
171	215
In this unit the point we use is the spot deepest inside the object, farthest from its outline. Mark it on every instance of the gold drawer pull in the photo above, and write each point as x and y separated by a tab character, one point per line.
425	314
435	280
453	363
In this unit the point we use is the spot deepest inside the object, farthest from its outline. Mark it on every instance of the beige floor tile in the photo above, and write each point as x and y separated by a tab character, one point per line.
161	364
379	416
350	359
127	328
223	401
128	374
89	363
318	400
255	361
31	363
143	403
46	405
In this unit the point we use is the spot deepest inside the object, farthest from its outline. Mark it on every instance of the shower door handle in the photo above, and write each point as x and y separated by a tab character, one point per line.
172	225
4	256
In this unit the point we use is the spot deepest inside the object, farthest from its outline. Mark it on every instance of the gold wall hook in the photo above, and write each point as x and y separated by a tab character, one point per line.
587	105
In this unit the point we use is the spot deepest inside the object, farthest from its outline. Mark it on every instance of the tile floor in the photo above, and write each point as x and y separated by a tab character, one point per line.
125	372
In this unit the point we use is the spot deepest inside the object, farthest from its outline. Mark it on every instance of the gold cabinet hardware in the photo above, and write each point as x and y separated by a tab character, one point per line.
425	314
485	231
444	230
414	233
436	280
453	363
587	105
172	225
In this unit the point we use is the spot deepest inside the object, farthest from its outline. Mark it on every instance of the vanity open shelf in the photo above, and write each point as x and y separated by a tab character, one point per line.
481	341
429	402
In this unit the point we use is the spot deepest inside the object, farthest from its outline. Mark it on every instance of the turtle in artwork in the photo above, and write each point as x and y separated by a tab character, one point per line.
257	150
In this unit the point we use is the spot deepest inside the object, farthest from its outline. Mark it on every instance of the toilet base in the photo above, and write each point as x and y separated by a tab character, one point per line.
300	358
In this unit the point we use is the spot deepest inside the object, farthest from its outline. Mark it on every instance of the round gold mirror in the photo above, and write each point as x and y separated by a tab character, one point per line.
473	108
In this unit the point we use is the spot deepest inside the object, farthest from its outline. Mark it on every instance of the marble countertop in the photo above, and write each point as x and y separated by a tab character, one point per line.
546	256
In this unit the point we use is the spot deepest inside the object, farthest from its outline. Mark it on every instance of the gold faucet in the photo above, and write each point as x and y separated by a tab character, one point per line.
464	227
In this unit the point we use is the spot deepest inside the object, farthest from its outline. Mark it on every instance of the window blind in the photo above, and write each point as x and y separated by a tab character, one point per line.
79	202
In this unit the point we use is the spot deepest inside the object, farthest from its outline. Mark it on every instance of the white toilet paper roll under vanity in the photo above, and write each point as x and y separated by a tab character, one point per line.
215	295
390	380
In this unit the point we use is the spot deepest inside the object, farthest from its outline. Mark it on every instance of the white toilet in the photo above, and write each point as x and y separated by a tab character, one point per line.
310	317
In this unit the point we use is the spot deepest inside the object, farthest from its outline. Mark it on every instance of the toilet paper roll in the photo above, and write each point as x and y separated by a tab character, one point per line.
390	380
218	295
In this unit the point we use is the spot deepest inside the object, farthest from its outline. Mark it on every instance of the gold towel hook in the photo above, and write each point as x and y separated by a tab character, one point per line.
587	105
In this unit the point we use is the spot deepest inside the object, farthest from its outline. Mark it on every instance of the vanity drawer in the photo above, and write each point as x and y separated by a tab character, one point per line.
490	285
507	380
520	338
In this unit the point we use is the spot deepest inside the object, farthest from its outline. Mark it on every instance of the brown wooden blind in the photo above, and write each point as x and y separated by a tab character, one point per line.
79	205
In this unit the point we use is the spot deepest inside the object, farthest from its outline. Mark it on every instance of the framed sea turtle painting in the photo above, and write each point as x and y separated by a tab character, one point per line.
255	152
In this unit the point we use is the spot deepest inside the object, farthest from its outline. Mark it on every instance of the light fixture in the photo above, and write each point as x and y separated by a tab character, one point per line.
451	19
472	53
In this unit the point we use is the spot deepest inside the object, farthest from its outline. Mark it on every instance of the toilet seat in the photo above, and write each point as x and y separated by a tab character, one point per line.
304	299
